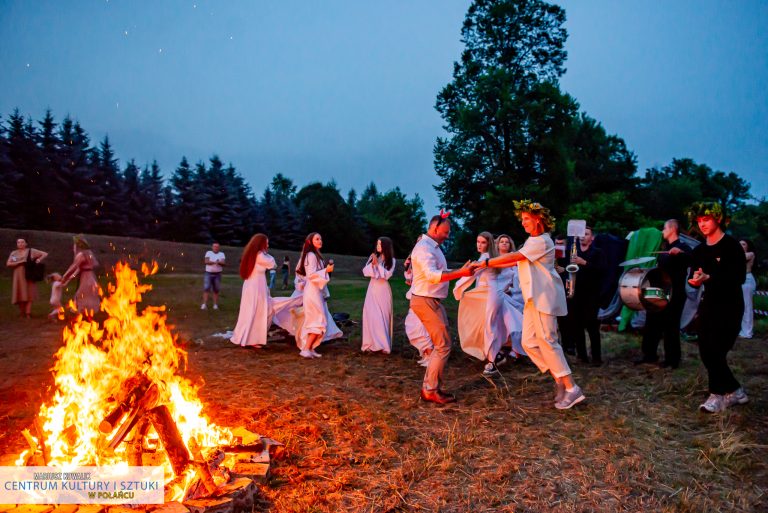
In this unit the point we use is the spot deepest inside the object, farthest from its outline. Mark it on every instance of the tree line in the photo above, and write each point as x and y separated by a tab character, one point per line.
52	178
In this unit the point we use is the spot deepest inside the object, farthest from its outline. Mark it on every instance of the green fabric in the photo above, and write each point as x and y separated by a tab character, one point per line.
642	243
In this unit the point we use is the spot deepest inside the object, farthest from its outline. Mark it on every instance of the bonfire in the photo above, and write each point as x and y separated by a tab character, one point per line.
119	400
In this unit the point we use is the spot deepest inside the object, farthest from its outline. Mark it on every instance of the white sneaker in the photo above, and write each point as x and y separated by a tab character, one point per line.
305	354
215	306
715	403
738	396
570	399
490	369
315	354
203	307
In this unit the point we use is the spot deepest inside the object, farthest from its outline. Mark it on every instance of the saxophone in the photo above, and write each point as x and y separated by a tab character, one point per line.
572	269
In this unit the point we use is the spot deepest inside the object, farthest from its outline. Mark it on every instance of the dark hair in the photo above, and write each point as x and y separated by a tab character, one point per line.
257	244
437	220
307	247
286	258
750	246
387	251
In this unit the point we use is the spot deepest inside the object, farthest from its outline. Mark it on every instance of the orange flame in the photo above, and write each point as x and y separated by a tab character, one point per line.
96	361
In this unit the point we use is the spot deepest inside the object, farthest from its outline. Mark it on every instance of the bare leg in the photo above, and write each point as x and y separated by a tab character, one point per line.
205	297
215	298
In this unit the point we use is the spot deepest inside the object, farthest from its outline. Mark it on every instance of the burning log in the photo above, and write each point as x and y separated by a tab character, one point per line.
144	404
131	391
173	444
135	450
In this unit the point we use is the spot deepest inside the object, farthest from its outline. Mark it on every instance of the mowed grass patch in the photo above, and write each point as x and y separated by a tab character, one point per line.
359	439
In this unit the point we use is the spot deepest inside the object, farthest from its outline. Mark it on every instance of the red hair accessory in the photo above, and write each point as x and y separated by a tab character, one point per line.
444	214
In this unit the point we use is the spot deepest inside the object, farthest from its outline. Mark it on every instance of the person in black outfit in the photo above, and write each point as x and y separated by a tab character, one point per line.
286	271
585	303
666	323
561	242
720	265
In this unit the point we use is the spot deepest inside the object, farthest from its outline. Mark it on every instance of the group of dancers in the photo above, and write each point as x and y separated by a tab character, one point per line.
507	299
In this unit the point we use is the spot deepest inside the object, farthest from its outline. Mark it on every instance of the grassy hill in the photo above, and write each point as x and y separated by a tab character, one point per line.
178	257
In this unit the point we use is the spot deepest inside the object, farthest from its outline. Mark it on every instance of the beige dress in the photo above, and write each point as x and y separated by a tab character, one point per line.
22	290
87	295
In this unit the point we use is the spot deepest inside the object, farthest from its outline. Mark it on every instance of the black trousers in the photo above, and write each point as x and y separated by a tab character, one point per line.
664	324
719	325
582	316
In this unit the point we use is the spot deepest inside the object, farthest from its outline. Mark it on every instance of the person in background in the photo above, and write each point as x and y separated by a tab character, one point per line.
666	323
561	244
285	269
87	297
272	274
215	260
748	288
509	285
314	269
482	330
417	334
23	291
377	309
585	303
57	288
255	314
719	263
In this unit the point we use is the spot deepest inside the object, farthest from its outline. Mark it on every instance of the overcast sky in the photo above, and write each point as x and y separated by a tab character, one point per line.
346	89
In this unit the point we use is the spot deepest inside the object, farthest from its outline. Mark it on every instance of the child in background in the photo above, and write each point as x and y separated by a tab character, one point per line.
57	287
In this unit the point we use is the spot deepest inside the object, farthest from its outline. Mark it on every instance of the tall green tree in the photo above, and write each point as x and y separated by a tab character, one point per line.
668	191
503	107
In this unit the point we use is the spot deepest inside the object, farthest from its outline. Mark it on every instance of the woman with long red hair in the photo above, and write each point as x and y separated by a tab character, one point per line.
255	304
313	268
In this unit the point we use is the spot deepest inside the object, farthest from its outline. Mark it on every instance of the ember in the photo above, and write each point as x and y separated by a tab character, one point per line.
119	382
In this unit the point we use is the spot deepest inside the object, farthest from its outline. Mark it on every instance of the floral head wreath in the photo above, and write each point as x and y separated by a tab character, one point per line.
537	209
712	209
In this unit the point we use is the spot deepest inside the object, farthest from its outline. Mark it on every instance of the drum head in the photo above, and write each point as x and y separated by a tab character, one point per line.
637	261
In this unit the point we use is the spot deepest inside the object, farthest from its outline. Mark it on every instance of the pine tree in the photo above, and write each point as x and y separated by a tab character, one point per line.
109	206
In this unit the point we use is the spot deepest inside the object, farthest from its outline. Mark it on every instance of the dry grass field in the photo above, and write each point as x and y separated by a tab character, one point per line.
359	439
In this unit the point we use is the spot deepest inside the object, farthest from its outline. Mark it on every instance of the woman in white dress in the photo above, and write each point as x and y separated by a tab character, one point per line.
481	320
509	285
255	315
377	309
313	268
748	289
417	334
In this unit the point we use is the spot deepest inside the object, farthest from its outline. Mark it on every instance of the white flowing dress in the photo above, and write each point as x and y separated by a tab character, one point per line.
508	279
481	321
377	309
255	315
317	318
417	334
289	312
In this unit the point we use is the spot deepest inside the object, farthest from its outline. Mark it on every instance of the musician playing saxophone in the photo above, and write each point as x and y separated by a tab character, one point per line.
585	303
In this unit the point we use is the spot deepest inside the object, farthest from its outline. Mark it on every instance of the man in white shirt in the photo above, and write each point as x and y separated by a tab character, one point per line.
544	298
428	289
214	265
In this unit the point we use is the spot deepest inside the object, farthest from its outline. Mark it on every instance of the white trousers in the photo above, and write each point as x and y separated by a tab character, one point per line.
540	341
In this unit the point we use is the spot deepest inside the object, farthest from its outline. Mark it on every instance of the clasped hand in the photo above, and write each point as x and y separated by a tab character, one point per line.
699	277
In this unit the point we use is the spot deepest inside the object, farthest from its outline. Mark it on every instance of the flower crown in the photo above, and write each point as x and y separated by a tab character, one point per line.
537	209
712	209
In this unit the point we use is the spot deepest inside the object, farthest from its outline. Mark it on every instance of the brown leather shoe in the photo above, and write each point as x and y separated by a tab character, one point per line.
435	396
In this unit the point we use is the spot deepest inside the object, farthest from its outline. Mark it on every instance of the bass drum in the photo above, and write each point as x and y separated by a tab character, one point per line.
645	289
